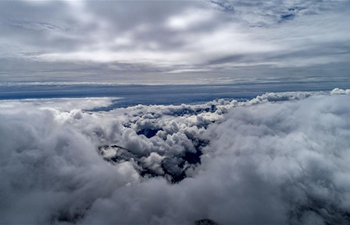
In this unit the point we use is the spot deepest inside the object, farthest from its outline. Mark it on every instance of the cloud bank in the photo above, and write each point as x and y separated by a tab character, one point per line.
281	158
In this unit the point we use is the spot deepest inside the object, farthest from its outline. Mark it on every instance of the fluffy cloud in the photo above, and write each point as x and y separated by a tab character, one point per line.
281	158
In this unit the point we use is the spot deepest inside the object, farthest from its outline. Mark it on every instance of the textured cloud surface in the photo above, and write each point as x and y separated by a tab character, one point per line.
166	41
281	158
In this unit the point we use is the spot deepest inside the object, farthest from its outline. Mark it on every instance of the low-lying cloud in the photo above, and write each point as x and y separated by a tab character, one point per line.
281	158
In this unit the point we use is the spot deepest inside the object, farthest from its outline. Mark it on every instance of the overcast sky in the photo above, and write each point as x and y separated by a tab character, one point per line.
174	41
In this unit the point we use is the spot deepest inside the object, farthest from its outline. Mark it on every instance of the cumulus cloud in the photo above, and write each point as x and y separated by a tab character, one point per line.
281	158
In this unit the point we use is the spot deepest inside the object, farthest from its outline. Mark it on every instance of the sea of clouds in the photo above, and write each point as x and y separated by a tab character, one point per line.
280	158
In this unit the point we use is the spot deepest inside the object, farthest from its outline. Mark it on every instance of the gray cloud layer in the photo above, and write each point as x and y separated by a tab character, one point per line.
281	158
112	40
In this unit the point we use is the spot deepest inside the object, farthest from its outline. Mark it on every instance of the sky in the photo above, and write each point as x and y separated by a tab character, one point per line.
207	112
174	42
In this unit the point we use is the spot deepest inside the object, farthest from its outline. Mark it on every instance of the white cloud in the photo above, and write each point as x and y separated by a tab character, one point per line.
62	104
279	158
189	19
123	41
